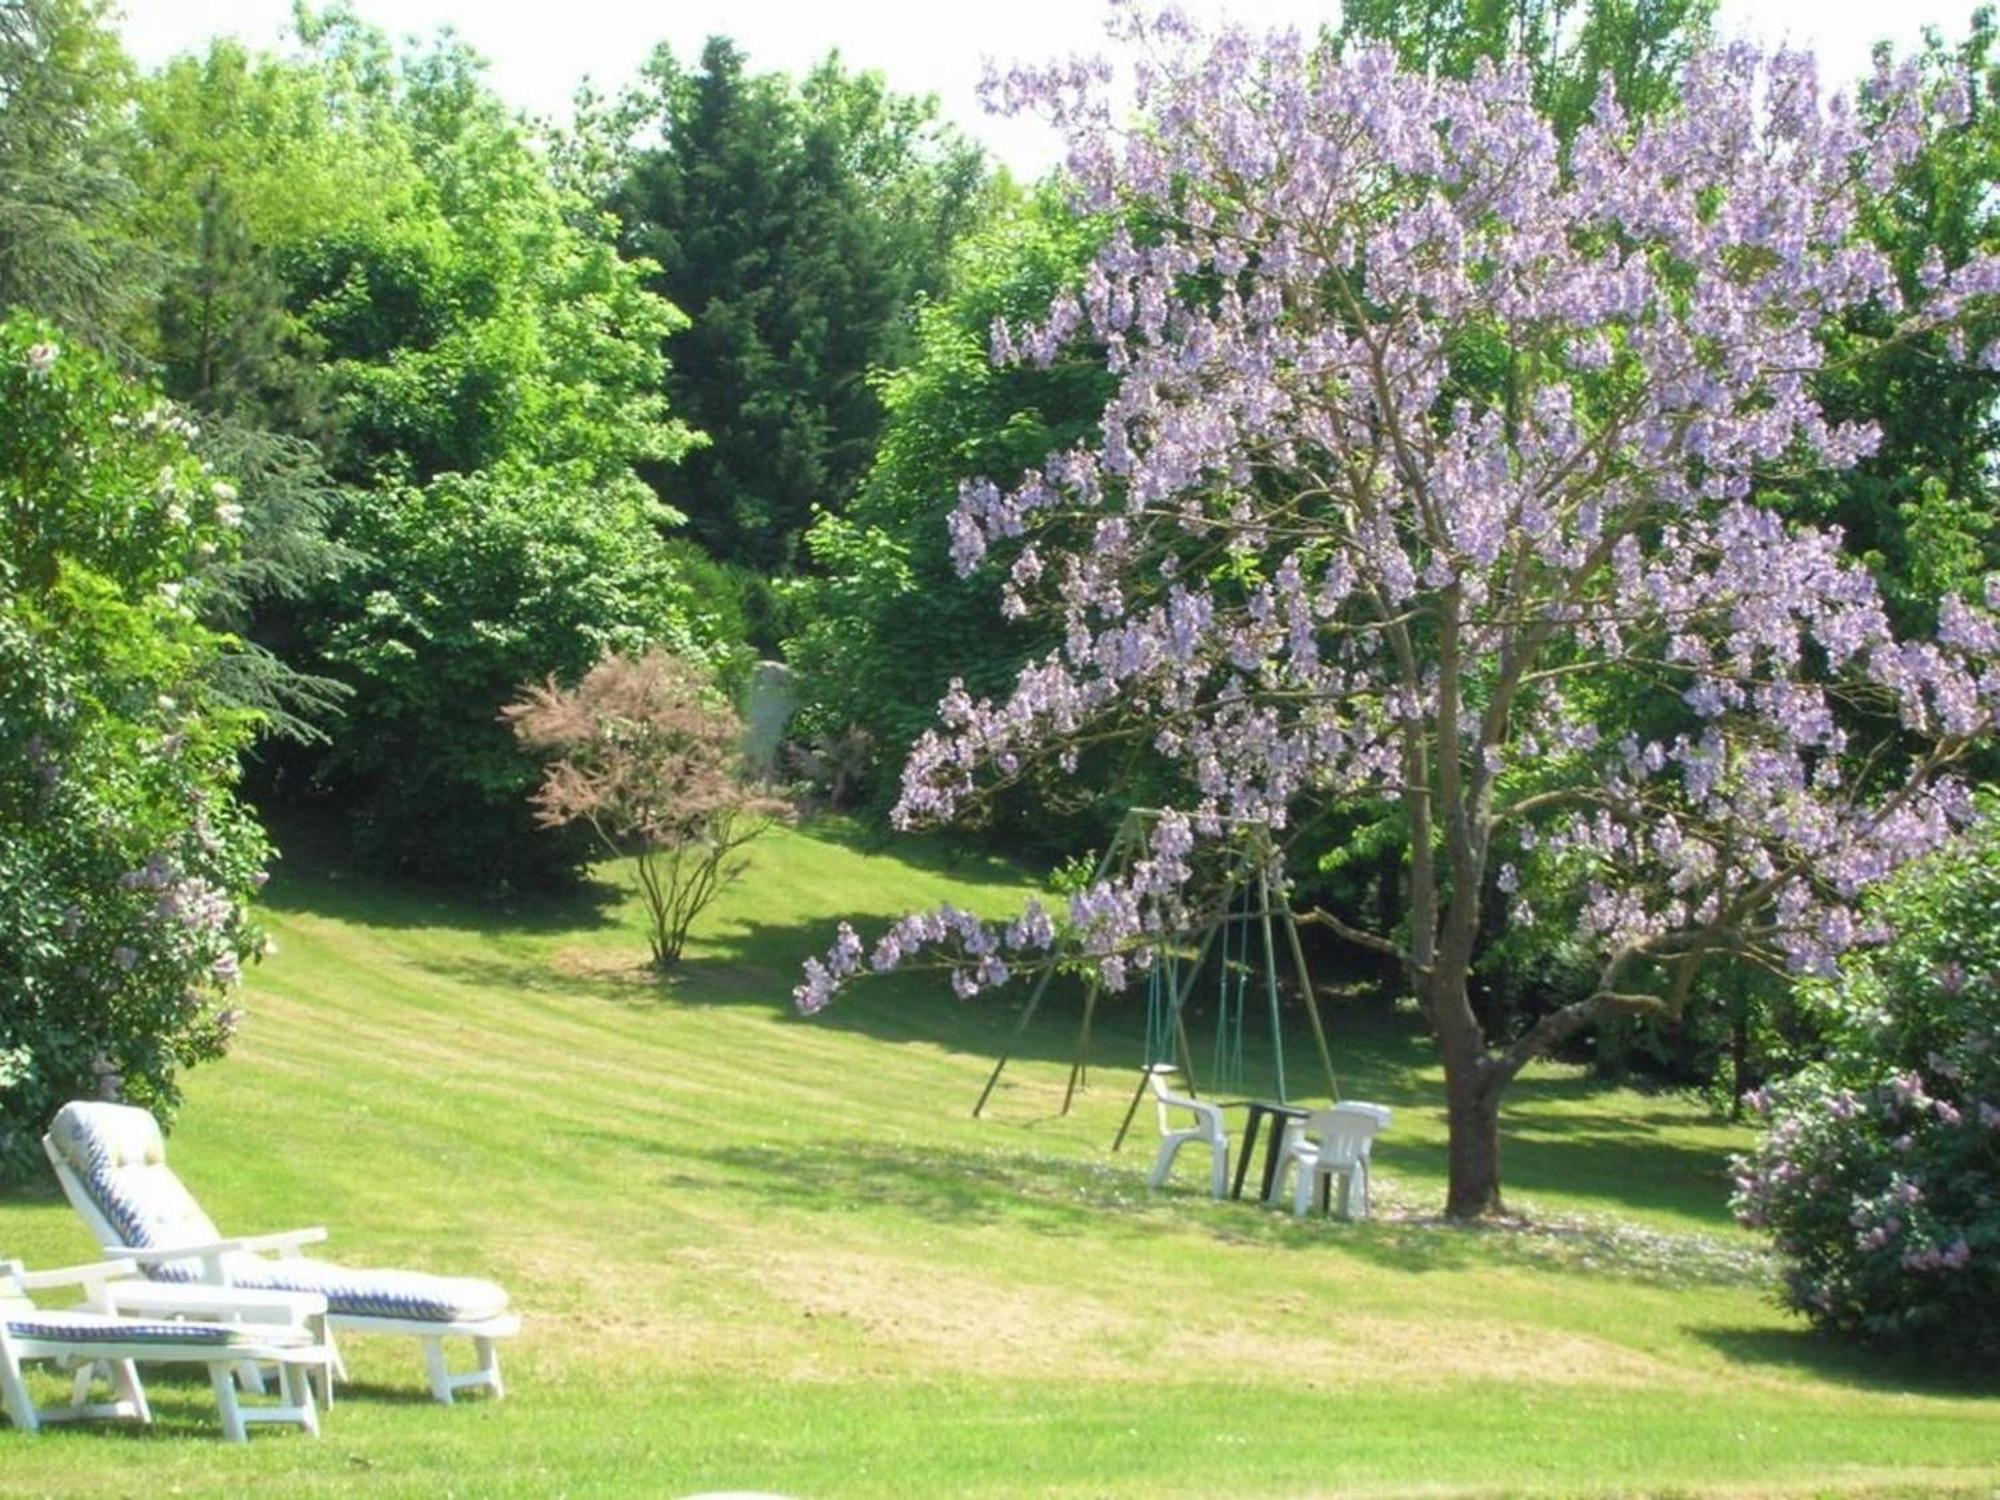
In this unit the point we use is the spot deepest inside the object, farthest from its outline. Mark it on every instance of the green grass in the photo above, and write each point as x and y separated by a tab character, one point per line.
760	1252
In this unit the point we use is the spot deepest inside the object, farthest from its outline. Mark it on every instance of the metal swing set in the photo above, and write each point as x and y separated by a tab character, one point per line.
1247	914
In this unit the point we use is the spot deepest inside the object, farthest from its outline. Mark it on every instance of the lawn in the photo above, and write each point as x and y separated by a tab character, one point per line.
760	1252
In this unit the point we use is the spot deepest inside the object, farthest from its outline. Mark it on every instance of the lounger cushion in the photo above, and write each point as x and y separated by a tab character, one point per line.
117	1153
361	1292
97	1328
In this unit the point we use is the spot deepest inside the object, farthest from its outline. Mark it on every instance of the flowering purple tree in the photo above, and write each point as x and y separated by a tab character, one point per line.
1428	485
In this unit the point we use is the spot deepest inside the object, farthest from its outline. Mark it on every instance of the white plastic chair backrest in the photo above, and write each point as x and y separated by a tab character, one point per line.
1165	1098
1345	1133
112	1162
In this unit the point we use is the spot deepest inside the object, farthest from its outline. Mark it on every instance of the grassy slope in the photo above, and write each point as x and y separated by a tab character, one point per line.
768	1253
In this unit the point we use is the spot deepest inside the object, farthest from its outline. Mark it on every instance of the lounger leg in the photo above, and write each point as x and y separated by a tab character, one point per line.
79	1386
222	1378
296	1381
489	1364
125	1376
331	1367
434	1363
14	1394
252	1377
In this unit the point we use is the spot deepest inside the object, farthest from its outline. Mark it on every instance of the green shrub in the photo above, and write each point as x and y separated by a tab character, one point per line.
477	584
1879	1174
126	862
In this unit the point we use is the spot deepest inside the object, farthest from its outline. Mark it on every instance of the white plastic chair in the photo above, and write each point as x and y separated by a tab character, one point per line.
1331	1143
1207	1129
111	1162
90	1340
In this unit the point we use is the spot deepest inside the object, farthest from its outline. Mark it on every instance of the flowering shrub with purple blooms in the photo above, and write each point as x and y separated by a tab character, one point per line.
126	862
1878	1175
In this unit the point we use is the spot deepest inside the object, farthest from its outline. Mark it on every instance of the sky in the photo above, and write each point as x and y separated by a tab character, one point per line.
538	51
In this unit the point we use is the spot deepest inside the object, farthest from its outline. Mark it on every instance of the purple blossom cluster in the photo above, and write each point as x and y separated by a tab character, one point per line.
1878	1173
1317	558
192	922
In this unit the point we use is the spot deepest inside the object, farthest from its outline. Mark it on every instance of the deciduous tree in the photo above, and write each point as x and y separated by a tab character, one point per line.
1429	482
650	758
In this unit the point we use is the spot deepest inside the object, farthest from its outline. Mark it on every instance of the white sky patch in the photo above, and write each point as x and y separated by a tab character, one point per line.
538	51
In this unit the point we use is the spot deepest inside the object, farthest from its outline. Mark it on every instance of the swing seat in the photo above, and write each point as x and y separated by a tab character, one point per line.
1207	1129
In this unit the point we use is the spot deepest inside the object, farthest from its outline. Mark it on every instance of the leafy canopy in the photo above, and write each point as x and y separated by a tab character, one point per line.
1427	429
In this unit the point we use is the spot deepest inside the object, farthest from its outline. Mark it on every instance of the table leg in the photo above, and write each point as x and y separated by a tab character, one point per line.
1250	1127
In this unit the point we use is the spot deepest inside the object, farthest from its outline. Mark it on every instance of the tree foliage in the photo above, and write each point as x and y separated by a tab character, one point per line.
796	226
1920	507
1569	46
126	861
1427	484
371	257
62	187
882	590
477	580
649	757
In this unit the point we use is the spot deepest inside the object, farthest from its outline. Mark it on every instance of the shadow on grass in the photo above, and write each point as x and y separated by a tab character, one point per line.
1108	1198
1554	1139
390	1395
372	901
1825	1357
935	854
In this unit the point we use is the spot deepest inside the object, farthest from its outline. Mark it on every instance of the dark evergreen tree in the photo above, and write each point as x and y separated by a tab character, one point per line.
63	81
797	227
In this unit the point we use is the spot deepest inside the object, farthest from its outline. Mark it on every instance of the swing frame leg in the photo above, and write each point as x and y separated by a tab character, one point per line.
1271	980
1027	1015
1310	1000
1079	1070
1130	1110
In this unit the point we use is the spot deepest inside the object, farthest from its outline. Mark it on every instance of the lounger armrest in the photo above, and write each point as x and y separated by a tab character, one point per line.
87	1275
284	1239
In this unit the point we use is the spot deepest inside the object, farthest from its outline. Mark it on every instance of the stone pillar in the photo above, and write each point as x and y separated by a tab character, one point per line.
768	706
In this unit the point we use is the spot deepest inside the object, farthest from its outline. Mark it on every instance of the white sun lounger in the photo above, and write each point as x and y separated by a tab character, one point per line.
89	1342
112	1164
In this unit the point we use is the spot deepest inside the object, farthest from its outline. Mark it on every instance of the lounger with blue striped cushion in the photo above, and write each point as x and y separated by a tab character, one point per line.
111	1161
89	1342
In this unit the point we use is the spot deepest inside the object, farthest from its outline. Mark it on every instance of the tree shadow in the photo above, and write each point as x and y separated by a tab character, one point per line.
1825	1357
377	901
1551	1140
935	854
1107	1198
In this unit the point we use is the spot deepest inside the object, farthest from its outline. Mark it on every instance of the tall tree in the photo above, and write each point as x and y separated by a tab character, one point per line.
1569	46
1428	454
1921	507
882	578
371	264
796	226
63	83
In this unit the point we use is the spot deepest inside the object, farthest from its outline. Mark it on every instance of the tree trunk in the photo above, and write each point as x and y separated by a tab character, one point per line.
1739	1056
1472	1087
1472	1108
